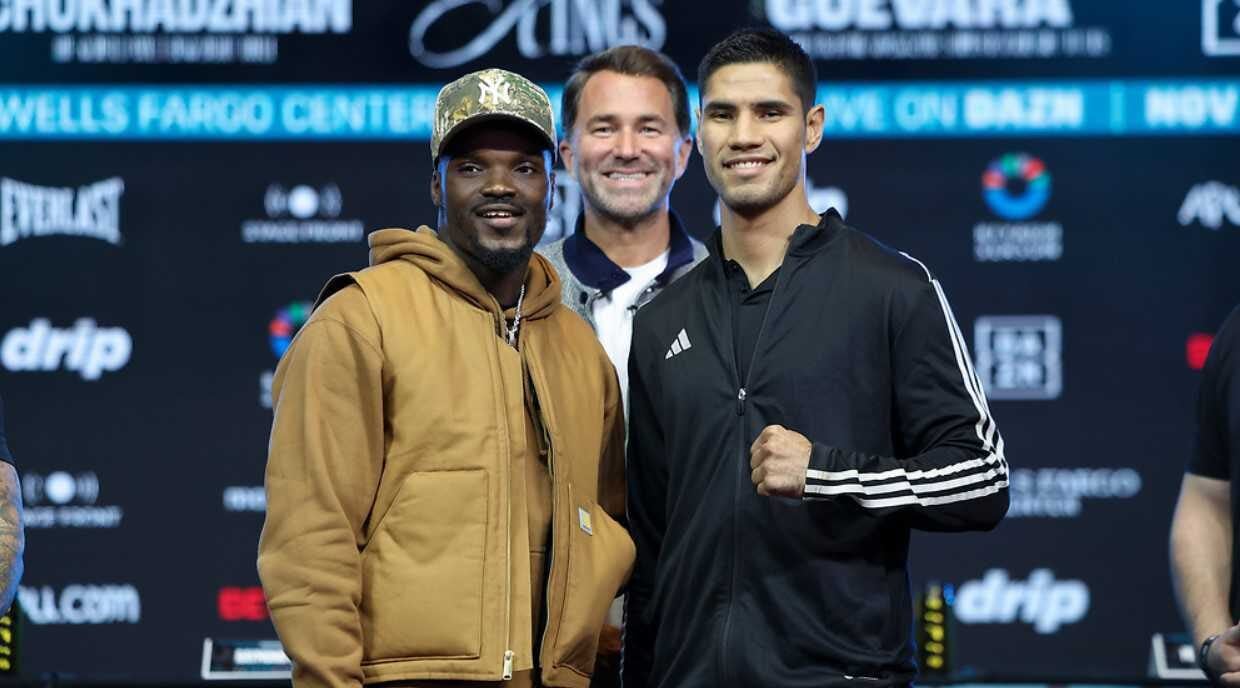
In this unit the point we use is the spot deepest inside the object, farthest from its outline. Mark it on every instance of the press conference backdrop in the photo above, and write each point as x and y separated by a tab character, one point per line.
177	180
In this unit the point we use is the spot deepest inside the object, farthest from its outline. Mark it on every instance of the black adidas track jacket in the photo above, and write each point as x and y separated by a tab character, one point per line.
858	351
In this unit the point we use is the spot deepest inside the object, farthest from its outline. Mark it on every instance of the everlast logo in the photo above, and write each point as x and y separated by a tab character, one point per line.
91	211
544	27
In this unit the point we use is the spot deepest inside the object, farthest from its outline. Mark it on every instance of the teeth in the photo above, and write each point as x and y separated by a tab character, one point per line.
496	213
747	163
630	177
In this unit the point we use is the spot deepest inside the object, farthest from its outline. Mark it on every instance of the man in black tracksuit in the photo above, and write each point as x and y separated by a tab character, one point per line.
799	401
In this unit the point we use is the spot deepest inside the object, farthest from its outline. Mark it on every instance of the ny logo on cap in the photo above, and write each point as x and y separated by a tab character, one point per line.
493	90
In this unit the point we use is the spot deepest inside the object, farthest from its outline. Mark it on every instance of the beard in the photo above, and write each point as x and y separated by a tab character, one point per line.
623	208
503	260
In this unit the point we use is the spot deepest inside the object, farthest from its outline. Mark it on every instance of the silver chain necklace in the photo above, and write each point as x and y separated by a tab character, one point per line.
516	321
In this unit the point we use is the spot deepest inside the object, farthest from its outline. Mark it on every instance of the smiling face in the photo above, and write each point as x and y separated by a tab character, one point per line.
754	134
492	188
625	149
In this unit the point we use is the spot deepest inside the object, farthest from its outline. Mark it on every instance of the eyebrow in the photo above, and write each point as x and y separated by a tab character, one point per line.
727	105
610	118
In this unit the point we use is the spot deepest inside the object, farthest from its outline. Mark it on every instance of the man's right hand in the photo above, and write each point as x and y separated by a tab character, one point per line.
1224	657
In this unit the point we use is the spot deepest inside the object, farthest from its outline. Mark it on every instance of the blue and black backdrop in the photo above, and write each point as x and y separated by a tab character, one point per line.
178	179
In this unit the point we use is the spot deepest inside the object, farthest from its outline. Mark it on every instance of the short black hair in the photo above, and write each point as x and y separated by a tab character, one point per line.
630	60
763	45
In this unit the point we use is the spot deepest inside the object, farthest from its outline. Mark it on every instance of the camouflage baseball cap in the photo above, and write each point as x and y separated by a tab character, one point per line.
487	95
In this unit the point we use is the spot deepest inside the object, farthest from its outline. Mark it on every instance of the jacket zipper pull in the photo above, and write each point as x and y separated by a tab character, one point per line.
508	665
740	402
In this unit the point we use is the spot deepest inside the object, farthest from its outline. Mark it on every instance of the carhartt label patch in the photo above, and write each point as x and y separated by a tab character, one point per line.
583	520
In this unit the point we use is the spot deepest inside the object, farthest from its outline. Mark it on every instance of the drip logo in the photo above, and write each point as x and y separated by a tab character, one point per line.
1212	204
1220	28
566	27
302	215
1043	602
61	499
81	604
280	332
1019	356
92	211
86	349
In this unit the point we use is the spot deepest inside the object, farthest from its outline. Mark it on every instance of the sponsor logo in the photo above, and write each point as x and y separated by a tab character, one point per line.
1220	27
1019	356
1016	186
1043	602
1211	204
66	500
1060	492
679	345
81	604
187	32
543	28
280	332
936	29
1197	349
302	215
92	211
85	348
245	498
1016	169
242	604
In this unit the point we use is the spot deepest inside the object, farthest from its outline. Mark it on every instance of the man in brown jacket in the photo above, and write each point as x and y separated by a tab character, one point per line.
445	474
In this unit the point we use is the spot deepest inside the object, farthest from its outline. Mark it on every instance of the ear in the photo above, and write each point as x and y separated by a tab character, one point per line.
697	137
566	154
683	154
813	127
436	189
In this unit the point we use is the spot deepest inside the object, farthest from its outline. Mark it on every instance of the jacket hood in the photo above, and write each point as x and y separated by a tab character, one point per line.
425	249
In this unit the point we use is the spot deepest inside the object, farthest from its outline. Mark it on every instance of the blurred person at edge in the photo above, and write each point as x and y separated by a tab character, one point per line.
12	534
1203	529
448	438
799	402
627	139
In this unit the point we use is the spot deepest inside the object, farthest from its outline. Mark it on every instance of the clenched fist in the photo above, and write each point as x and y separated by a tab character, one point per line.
779	458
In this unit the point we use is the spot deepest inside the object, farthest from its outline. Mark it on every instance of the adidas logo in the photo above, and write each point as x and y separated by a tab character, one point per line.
680	344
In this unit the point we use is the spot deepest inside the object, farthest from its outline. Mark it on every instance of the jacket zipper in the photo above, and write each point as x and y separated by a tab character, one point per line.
506	673
542	427
742	394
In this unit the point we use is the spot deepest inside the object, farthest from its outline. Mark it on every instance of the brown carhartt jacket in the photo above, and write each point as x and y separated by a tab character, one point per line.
385	555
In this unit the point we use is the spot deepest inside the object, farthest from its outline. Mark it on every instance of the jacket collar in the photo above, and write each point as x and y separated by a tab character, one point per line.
594	269
806	239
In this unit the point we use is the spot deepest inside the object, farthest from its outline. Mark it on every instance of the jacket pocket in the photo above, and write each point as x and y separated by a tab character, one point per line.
422	570
599	557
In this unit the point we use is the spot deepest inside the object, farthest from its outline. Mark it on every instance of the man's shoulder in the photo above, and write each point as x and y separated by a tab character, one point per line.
880	265
673	299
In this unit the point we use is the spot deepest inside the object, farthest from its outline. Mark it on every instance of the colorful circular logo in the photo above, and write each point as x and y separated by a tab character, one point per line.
1002	182
286	323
